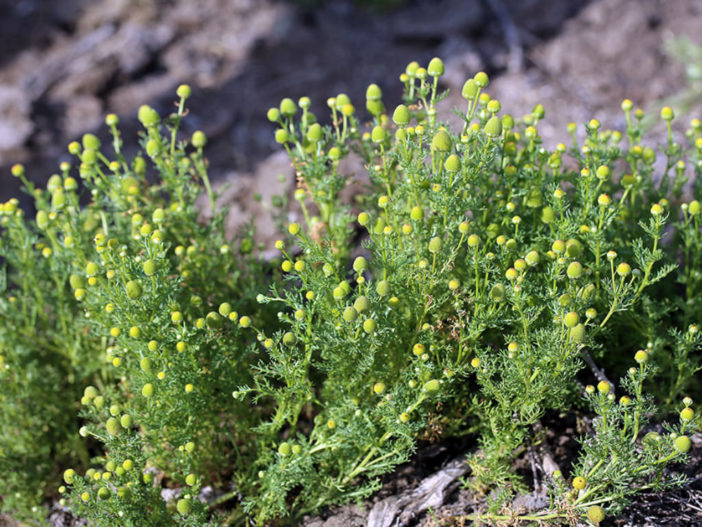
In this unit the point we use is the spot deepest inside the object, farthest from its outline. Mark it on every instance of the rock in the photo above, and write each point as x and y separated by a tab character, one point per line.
16	123
248	195
429	20
82	113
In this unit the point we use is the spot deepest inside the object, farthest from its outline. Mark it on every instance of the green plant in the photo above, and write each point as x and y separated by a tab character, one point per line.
491	273
109	294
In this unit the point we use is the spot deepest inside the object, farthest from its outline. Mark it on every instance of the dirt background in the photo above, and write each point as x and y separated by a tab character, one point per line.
64	64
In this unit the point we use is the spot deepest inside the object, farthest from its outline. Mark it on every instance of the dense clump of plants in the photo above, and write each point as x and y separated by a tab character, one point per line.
151	362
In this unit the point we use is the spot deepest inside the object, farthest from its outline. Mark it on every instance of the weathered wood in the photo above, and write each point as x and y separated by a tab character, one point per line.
431	492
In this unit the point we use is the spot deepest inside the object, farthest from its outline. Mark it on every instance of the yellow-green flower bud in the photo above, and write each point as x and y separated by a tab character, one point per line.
145	364
361	304
667	113
401	115
183	91
452	163
213	320
375	108
147	390
133	289
281	136
595	514
623	269
574	270
682	444
436	67
497	293
577	333
113	427
571	319
470	89
288	107
507	122
604	200
342	100
350	314
314	133
378	134
432	386
538	112
481	79
184	506
360	264
199	139
641	356
273	114
493	128
441	141
435	245
573	248
42	219
383	288
579	483
532	258
148	116
417	213
374	93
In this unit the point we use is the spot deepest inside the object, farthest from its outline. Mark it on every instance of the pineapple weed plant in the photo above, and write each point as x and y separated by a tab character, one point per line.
143	350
